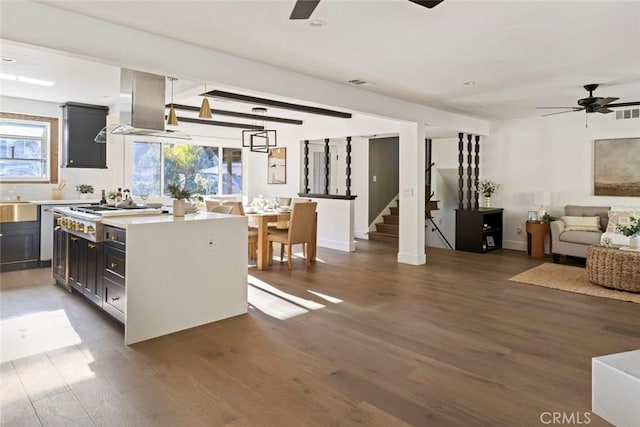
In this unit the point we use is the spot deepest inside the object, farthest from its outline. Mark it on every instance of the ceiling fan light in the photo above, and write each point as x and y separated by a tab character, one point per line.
205	109
172	120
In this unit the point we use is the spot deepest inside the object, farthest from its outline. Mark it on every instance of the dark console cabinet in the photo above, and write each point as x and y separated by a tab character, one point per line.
81	124
19	245
478	230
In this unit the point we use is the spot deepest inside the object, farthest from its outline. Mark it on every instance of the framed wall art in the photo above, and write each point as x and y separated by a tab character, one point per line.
616	171
277	166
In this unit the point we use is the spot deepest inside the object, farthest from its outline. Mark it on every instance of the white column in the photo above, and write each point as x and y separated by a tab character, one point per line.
411	187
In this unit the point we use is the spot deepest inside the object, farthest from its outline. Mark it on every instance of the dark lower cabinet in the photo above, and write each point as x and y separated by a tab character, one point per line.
85	268
77	263
19	245
478	230
93	288
113	273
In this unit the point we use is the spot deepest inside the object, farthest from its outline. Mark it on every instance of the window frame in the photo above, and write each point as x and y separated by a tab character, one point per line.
52	141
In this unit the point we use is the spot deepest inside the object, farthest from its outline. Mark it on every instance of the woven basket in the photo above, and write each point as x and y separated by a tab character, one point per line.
614	268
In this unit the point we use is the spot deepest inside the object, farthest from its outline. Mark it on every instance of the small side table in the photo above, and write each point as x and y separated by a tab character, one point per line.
535	238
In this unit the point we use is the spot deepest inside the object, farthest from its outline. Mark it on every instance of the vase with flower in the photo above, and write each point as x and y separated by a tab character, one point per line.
632	231
487	188
179	194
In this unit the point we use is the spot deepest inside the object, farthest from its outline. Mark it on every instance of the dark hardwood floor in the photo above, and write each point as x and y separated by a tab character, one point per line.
355	339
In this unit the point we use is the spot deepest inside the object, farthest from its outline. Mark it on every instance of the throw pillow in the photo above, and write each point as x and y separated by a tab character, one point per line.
581	223
620	218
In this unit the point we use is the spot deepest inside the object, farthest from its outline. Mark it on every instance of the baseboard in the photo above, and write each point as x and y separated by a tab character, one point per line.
517	245
338	245
361	235
412	259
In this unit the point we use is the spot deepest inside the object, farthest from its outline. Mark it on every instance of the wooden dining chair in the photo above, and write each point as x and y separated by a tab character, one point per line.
252	232
300	232
221	209
211	204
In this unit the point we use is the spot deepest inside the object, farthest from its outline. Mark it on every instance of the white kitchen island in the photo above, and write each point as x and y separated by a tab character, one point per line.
182	272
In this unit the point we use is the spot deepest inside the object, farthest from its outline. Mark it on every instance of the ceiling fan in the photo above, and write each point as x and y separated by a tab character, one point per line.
304	8
592	104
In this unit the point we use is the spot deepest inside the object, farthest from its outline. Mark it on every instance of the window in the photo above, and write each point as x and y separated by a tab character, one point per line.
231	171
155	165
28	148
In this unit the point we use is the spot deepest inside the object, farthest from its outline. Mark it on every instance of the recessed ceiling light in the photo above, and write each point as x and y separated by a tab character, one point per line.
7	59
26	80
469	83
317	23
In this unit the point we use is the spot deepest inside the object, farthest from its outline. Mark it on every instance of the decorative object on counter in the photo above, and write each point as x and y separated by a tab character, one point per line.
532	216
179	194
84	190
56	192
631	230
119	195
488	188
111	198
103	198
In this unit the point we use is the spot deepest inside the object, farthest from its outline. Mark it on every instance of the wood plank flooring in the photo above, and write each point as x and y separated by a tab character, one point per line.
355	339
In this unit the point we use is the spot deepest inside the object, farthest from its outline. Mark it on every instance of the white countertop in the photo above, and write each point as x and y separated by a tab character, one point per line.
125	221
64	201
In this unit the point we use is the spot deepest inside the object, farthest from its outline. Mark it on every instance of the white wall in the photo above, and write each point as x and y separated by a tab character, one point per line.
554	154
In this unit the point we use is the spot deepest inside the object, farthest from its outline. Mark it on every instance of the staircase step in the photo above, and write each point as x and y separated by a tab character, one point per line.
391	219
385	237
395	211
388	228
431	205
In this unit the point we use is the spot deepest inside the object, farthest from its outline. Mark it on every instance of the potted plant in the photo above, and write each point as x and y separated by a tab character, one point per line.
631	230
179	194
488	188
84	190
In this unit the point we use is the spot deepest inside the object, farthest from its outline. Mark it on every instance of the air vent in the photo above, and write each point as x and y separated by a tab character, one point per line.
633	113
360	82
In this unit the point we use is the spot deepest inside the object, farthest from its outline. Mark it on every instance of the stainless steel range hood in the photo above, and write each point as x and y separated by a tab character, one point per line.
142	110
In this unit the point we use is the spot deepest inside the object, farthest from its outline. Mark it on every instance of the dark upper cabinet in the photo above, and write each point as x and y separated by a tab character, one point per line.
81	124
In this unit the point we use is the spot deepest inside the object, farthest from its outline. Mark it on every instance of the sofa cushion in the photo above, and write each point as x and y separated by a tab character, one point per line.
601	211
581	237
581	223
622	218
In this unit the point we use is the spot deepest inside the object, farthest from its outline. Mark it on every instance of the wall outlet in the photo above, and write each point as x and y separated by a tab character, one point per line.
519	230
374	178
210	244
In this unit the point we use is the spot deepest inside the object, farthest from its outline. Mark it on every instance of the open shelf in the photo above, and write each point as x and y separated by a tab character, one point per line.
475	226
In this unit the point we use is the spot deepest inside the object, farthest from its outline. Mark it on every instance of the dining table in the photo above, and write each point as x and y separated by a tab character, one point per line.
262	220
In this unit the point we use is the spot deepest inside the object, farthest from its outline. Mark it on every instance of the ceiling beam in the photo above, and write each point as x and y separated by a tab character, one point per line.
238	114
276	104
217	123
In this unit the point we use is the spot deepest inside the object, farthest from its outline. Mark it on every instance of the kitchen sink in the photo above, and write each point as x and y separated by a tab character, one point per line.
18	211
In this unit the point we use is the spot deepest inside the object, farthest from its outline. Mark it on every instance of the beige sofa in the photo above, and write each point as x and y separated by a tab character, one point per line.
575	243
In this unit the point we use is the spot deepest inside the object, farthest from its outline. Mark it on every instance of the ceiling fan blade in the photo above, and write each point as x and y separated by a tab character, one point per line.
604	110
624	104
562	112
557	108
427	3
303	9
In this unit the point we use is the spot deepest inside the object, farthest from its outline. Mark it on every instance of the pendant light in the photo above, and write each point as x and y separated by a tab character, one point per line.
173	119
205	109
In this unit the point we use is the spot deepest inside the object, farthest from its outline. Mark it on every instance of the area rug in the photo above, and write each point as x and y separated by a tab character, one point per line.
570	279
